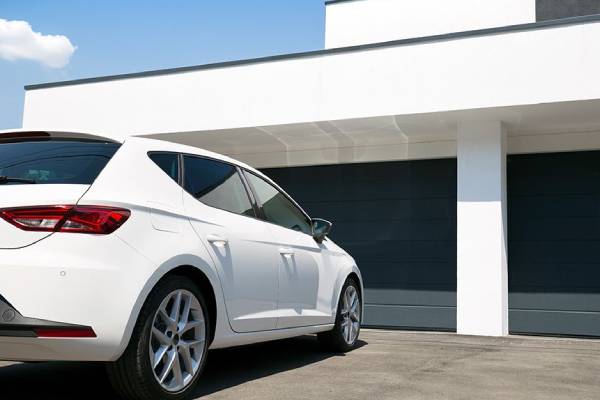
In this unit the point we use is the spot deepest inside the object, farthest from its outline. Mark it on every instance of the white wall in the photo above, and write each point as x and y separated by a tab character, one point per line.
531	67
371	21
482	254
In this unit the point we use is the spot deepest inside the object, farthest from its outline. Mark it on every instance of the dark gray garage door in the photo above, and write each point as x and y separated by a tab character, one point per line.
554	243
398	219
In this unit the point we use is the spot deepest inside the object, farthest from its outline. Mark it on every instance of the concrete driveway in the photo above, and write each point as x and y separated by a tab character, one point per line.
388	365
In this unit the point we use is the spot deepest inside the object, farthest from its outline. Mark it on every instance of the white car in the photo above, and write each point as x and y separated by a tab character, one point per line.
145	254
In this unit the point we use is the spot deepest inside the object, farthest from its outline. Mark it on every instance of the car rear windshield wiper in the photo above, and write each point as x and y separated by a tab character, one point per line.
8	179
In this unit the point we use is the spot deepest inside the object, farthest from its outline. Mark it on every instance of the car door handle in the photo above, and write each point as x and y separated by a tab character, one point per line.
286	251
216	239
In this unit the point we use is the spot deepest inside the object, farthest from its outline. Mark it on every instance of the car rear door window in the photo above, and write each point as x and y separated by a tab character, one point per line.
216	184
168	162
277	208
54	161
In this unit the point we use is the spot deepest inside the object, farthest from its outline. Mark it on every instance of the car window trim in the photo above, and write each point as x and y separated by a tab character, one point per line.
294	203
258	213
237	171
179	171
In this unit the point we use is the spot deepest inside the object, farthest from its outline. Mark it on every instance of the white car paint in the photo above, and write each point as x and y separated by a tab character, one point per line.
102	281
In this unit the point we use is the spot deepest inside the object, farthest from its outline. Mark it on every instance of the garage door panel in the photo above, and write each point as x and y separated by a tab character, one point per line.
404	252
558	229
569	187
411	317
390	190
555	322
440	296
577	165
401	230
556	277
559	206
585	300
554	243
367	172
408	275
554	252
398	220
396	209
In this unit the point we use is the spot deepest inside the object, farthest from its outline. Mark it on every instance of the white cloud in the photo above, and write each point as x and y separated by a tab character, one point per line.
19	42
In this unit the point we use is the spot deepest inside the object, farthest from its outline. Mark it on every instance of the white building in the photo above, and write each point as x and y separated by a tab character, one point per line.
453	143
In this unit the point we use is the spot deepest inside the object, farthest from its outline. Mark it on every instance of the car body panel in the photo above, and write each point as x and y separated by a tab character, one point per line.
102	281
245	261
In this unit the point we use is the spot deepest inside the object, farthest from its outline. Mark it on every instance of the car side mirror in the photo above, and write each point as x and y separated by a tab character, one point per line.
321	229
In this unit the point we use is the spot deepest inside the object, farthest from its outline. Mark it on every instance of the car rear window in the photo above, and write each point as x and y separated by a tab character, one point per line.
54	161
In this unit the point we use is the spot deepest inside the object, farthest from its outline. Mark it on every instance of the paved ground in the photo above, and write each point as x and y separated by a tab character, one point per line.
388	365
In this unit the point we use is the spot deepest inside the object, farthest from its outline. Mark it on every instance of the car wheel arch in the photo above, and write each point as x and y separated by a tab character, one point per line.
351	273
207	282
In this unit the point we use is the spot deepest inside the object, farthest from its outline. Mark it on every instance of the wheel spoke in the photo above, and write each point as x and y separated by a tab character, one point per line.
177	373
168	367
185	315
159	355
190	325
193	343
188	362
348	331
175	310
160	336
346	306
166	317
353	297
354	304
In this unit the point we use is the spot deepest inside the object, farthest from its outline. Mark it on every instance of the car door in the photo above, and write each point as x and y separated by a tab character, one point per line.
305	266
223	215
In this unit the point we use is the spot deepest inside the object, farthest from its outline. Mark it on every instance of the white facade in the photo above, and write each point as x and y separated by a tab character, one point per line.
359	22
476	96
482	261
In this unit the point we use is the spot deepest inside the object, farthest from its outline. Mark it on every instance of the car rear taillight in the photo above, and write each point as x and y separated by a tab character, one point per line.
75	219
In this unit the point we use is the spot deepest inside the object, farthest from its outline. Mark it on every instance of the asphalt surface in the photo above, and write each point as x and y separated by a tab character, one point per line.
387	365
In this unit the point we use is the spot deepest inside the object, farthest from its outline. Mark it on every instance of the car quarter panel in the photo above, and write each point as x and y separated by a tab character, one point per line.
75	280
158	229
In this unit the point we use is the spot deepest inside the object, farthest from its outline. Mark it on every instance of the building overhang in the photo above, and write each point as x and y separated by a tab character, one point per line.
395	100
552	127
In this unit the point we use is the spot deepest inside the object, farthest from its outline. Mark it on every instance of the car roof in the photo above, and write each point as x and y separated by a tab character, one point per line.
166	145
15	134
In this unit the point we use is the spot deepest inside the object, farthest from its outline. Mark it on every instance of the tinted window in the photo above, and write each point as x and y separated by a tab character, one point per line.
216	184
168	162
54	161
277	207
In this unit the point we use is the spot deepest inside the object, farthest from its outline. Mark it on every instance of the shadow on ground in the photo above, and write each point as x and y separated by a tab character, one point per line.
225	369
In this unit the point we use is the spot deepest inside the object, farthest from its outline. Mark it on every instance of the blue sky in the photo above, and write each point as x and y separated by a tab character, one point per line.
114	37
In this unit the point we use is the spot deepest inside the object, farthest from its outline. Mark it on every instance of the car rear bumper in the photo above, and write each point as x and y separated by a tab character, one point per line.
20	337
79	282
14	324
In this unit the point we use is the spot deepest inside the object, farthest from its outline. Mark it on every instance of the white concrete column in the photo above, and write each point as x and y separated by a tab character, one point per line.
482	287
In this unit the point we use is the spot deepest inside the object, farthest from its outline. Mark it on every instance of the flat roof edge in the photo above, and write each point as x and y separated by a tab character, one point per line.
329	2
340	50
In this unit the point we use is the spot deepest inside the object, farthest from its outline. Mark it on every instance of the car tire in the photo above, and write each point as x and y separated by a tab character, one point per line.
344	335
168	347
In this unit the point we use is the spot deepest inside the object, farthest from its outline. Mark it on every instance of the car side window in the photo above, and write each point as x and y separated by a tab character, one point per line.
216	184
277	208
168	162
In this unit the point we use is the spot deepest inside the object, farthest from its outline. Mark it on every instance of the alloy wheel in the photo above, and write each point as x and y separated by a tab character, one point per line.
177	340
350	315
